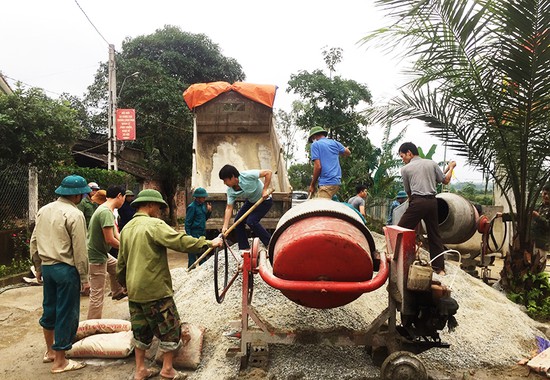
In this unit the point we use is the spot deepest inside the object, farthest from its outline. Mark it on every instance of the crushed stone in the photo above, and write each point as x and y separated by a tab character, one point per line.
492	331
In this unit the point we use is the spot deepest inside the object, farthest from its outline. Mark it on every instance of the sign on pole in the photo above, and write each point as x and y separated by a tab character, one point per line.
126	124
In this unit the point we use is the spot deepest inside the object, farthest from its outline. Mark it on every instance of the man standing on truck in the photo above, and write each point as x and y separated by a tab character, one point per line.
325	154
247	185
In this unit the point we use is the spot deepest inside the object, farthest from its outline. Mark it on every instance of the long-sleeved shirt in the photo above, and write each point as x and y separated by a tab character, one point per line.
195	219
142	258
88	208
59	236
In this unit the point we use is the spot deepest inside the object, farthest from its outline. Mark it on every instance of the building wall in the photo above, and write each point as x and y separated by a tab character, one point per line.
181	199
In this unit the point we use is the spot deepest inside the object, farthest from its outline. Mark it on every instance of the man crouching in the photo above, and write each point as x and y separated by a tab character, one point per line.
143	269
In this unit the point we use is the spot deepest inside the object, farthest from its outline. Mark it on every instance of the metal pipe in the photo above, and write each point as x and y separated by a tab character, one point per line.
324	286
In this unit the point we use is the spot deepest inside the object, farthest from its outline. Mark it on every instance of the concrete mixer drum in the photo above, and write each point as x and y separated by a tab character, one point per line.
322	240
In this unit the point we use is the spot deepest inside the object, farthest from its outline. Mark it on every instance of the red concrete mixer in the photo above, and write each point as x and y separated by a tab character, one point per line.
322	255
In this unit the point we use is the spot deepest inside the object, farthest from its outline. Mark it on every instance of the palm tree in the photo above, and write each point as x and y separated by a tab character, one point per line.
481	82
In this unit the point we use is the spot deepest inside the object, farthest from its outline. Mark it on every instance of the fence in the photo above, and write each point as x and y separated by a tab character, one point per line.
17	213
379	210
14	197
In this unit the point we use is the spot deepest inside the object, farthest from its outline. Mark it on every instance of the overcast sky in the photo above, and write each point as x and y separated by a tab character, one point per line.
52	45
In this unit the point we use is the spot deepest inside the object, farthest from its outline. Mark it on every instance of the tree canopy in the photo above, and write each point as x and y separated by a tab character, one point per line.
36	130
168	61
481	81
338	104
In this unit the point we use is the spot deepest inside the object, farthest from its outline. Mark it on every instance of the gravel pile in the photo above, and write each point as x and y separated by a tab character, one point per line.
492	332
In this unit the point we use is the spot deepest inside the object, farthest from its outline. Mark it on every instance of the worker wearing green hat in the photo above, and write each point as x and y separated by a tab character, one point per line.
59	256
325	154
196	216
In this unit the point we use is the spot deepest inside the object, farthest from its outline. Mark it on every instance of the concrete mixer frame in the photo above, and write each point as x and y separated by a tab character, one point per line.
382	336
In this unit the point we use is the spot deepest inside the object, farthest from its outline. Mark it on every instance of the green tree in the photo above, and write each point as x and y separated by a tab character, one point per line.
36	130
168	61
286	130
385	179
482	83
299	176
333	102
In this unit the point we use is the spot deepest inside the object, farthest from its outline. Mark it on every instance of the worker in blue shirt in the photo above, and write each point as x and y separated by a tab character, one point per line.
325	154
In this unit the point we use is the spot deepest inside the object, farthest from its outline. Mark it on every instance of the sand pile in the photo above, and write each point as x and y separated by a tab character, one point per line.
492	331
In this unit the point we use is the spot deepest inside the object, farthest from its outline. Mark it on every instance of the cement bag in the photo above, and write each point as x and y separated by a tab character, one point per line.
101	326
189	355
541	362
114	345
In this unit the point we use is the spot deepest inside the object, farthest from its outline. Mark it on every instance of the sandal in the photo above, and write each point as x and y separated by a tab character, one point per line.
120	296
72	365
46	358
179	376
151	372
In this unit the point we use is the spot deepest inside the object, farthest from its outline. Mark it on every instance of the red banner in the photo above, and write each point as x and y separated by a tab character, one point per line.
125	124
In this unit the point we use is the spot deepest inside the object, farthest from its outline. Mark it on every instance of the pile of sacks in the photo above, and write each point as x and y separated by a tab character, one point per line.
102	338
112	338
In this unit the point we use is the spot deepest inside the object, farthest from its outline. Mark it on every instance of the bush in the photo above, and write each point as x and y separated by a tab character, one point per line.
16	267
21	253
535	295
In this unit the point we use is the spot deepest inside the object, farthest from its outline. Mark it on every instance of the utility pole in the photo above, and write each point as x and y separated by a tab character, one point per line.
111	114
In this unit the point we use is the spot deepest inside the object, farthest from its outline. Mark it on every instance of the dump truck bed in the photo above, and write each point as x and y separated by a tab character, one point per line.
234	129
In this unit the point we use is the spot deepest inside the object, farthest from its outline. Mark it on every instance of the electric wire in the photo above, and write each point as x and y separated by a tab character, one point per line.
29	85
97	30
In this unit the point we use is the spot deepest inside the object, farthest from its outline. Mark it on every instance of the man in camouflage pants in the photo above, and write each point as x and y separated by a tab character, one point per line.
143	269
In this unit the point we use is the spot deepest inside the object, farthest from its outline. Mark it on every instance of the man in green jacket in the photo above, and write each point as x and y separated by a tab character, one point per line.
143	269
87	206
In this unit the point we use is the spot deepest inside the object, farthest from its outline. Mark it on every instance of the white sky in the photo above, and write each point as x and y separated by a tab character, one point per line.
51	44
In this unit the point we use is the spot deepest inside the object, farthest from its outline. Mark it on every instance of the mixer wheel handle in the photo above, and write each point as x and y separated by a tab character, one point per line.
220	296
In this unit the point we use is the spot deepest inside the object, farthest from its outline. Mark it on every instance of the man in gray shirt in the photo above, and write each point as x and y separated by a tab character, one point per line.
358	201
420	176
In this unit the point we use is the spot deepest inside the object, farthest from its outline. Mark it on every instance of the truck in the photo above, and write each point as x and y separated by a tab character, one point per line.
234	124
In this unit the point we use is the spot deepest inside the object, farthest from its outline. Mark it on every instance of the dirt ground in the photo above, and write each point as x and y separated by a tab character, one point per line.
22	343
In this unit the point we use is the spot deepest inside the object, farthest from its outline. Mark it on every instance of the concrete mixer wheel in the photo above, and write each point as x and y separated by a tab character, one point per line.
255	255
403	365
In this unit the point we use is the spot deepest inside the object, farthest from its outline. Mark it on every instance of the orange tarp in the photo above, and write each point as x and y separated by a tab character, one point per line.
199	93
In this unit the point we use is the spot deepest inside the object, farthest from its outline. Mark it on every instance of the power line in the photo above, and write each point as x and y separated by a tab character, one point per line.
29	85
97	30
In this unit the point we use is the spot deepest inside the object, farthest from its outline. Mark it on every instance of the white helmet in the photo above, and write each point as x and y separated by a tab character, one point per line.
93	186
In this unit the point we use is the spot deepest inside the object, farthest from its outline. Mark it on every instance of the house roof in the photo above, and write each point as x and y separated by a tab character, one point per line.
4	86
92	152
126	166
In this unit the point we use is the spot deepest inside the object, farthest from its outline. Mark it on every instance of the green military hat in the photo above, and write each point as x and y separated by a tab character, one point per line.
149	195
73	185
200	193
316	130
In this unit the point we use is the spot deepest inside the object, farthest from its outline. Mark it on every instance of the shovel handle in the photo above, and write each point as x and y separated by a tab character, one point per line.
233	226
